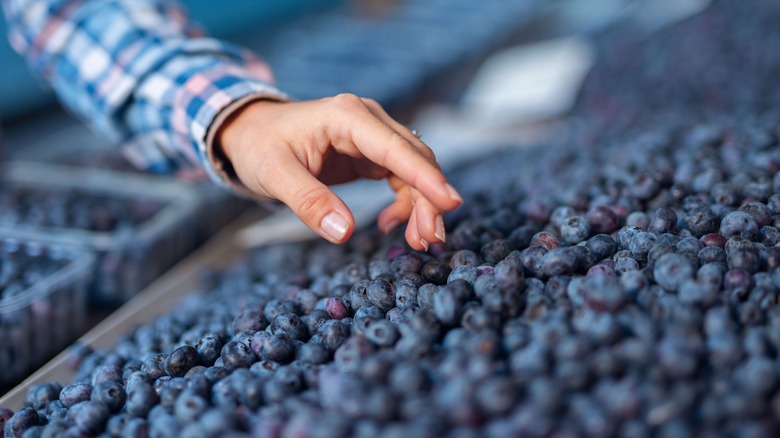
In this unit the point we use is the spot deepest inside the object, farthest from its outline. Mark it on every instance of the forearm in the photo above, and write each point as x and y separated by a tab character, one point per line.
139	73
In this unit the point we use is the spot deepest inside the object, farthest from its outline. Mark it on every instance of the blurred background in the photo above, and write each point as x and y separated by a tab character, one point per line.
405	54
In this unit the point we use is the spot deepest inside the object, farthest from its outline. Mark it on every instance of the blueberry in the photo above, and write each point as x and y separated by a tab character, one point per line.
641	244
249	319
238	355
405	294
332	334
738	224
531	259
624	236
711	254
603	293
745	259
560	214
380	293
382	333
153	365
291	324
759	212
75	393
575	229
435	272
546	240
91	415
601	219
464	257
602	246
111	394
448	305
467	273
40	395
17	423
189	407
638	219
141	397
559	261
278	306
409	262
358	294
495	250
181	360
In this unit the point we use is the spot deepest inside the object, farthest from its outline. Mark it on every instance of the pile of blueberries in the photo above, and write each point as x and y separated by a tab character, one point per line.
622	283
72	208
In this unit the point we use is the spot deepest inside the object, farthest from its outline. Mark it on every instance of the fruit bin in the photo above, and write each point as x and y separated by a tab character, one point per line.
42	318
127	258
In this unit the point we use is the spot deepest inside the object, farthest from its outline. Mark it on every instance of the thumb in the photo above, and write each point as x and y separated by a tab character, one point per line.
314	203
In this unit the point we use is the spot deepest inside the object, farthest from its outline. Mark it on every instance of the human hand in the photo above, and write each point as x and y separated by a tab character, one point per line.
292	152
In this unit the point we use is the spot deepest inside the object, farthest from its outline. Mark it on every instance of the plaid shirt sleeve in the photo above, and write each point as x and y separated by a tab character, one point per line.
141	75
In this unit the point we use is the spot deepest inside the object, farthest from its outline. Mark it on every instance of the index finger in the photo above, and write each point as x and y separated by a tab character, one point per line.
388	148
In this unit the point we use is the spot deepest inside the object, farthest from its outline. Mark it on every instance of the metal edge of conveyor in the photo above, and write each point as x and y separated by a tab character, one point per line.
155	300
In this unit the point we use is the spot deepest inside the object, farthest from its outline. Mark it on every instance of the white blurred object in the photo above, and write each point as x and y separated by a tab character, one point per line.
529	83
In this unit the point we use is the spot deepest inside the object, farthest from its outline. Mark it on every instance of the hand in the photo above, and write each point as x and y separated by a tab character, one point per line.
292	151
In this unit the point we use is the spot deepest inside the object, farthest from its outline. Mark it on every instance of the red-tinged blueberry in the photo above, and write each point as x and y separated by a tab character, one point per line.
713	239
546	240
602	219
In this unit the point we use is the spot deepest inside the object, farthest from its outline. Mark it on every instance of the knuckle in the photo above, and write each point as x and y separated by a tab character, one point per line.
310	202
348	101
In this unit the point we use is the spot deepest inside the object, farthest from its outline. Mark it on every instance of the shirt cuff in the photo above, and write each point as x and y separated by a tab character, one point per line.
202	105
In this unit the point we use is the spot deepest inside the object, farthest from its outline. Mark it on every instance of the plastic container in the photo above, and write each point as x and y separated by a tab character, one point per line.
74	146
43	319
127	259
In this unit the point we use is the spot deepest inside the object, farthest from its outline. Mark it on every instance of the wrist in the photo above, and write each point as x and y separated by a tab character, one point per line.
229	135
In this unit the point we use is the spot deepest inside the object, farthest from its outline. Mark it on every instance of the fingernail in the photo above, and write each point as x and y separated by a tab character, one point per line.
424	243
454	195
440	233
391	226
334	225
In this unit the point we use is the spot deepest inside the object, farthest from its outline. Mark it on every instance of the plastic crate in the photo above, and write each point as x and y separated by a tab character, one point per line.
43	319
127	259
